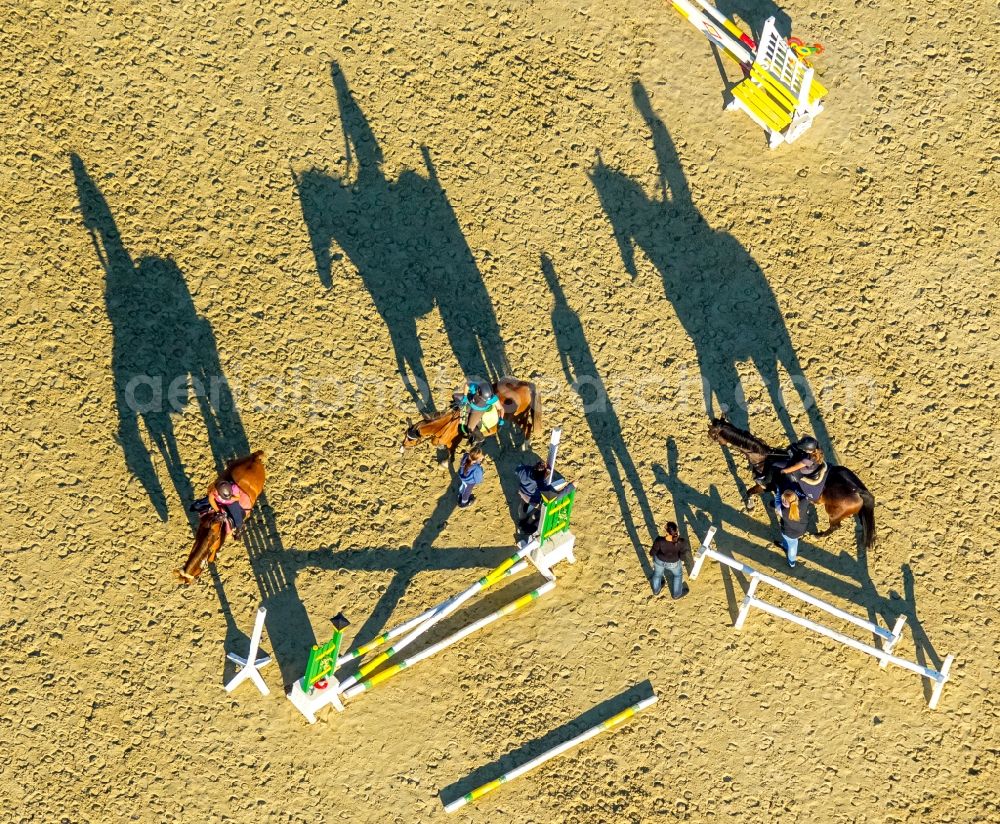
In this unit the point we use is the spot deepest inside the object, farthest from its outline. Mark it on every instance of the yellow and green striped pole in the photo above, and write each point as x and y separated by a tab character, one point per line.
375	643
387	673
439	614
604	726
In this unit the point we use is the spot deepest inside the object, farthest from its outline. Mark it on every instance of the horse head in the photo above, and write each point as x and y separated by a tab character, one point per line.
724	432
715	428
410	438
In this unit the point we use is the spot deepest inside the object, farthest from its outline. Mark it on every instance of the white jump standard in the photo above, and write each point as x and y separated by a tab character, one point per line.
889	639
250	665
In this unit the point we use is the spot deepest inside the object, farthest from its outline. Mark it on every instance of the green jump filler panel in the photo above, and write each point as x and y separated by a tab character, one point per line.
558	506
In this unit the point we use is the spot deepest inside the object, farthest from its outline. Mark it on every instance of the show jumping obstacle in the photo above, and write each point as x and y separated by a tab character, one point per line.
507	777
889	639
250	665
554	542
779	91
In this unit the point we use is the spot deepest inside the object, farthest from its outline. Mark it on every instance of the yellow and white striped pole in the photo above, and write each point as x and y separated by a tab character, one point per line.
439	614
395	632
507	777
455	637
717	28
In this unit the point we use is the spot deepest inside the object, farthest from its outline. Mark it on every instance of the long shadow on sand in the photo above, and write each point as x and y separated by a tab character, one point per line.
719	293
405	242
164	352
580	371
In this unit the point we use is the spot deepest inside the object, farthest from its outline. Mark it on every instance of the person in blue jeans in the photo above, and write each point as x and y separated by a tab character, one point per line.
470	475
667	553
793	514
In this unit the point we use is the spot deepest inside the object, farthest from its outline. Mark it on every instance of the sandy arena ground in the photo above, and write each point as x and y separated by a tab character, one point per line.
303	198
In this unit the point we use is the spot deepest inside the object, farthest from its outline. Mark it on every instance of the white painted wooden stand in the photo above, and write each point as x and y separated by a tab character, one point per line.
888	638
250	665
309	702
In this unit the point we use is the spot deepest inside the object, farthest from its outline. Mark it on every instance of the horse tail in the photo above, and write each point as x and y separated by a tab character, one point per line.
536	409
867	516
867	513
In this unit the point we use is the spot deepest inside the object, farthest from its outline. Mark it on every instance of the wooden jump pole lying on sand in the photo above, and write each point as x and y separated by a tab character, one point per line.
507	777
889	638
389	672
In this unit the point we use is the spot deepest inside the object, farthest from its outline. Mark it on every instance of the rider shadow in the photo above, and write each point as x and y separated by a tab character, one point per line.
405	242
147	303
163	351
581	373
719	293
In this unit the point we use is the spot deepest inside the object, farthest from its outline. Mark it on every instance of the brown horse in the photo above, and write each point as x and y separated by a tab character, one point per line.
248	474
521	404
844	495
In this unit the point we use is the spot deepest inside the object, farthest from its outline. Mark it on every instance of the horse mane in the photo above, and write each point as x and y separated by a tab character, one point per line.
742	439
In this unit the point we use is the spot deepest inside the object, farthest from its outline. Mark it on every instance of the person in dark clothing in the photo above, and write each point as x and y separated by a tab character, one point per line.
667	553
531	482
807	472
794	516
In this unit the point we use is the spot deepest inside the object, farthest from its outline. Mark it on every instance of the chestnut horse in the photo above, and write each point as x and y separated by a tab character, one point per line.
248	474
521	404
844	496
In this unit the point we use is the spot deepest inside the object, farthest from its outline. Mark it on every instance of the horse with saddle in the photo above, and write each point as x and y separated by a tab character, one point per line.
802	468
478	413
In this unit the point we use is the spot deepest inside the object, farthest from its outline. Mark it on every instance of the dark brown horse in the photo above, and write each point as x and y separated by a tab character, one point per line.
248	474
844	496
521	404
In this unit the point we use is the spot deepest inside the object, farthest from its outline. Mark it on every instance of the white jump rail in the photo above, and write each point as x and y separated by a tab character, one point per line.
888	638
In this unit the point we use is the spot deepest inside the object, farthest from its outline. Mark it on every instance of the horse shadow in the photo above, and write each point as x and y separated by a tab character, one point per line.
163	353
405	242
719	293
580	371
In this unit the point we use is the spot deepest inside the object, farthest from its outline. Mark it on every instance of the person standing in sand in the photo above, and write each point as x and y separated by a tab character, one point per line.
470	475
667	553
794	515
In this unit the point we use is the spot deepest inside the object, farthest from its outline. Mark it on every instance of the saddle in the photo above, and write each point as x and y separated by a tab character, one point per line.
204	510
